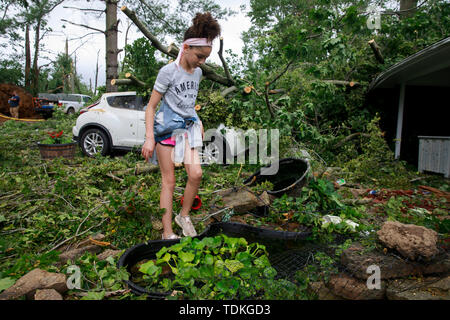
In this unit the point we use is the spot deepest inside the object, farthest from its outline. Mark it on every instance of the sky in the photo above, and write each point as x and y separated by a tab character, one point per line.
86	43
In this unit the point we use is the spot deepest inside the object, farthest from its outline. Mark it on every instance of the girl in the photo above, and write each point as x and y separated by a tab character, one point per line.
176	128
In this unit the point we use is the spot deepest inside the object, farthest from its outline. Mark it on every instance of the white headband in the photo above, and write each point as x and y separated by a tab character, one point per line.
196	42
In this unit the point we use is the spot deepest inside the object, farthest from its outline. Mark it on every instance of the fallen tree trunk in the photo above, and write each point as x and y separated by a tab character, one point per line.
121	82
130	79
227	91
342	83
376	50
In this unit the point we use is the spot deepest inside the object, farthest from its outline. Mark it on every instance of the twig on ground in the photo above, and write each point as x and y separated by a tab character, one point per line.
77	235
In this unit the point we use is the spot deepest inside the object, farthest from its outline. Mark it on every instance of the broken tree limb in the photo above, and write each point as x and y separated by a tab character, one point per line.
277	91
228	90
138	169
342	83
173	49
376	50
268	83
130	79
224	64
121	82
266	98
154	41
208	71
83	25
135	80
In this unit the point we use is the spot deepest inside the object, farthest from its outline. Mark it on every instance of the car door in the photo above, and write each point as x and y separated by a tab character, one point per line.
124	128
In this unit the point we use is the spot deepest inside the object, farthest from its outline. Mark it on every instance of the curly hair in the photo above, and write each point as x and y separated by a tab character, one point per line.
203	26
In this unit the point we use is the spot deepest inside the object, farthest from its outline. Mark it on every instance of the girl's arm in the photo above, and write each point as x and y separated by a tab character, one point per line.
149	145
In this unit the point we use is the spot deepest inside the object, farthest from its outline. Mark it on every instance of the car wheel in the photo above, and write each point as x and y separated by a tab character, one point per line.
94	141
212	153
70	110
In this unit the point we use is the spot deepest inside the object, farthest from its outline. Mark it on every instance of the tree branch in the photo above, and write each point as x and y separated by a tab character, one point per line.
228	90
130	79
83	25
155	42
121	82
342	83
224	64
208	71
266	91
156	16
376	51
81	9
135	80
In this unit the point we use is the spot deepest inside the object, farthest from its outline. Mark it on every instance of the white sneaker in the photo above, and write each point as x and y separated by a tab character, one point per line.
185	223
170	237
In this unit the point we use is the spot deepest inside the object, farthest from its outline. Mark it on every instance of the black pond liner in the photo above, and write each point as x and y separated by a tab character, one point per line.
278	244
290	178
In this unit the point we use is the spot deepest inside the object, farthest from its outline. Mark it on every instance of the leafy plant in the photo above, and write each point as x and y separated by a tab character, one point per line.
219	267
56	138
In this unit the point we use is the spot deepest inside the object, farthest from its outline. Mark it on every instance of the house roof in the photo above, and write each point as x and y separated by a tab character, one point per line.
428	67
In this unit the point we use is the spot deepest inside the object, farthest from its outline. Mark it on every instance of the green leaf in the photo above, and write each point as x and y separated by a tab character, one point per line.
164	259
270	272
245	258
5	283
262	262
206	272
209	259
94	296
150	269
186	256
110	260
234	265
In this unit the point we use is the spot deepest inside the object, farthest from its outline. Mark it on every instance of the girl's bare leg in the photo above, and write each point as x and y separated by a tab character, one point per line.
167	168
194	172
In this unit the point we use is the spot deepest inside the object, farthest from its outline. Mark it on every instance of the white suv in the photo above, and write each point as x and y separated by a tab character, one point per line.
117	122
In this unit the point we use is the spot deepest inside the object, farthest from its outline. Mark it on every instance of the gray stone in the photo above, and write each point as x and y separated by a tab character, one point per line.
432	288
322	292
356	262
243	201
34	280
351	288
409	240
47	294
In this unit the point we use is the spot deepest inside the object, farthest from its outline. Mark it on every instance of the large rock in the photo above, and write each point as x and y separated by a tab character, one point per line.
351	288
409	240
320	290
243	201
47	294
356	262
76	253
432	288
34	280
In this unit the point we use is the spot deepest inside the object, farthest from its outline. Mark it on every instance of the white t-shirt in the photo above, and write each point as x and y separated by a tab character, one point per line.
179	88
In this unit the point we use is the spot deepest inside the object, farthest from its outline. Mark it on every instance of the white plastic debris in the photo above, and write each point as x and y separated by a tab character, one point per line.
336	220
